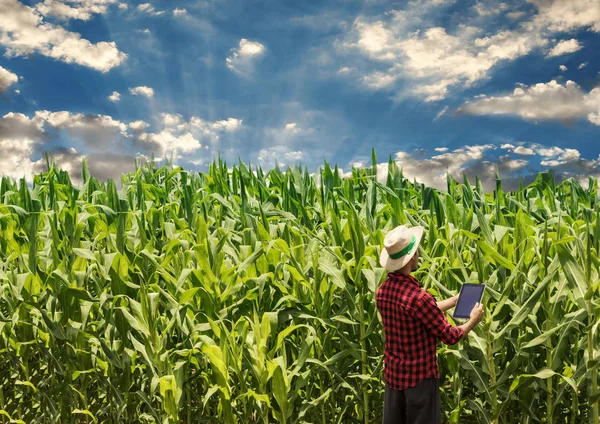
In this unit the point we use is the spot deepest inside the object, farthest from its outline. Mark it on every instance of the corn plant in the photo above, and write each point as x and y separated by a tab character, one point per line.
239	296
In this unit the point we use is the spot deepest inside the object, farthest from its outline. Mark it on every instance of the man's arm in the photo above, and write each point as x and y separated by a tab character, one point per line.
446	304
476	315
433	318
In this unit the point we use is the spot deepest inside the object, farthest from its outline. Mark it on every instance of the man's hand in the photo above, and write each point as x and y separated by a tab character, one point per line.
477	313
476	316
453	300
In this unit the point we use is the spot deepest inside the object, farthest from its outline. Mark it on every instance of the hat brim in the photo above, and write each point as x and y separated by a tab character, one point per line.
396	264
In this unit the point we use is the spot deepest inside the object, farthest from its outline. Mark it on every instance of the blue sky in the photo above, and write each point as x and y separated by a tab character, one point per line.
439	85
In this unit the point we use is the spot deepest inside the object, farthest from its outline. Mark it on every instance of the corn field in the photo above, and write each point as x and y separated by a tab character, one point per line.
235	296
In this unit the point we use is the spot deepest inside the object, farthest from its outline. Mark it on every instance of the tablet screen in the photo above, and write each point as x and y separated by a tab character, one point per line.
470	294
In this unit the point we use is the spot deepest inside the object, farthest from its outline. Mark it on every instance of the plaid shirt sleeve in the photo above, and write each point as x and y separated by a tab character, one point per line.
432	317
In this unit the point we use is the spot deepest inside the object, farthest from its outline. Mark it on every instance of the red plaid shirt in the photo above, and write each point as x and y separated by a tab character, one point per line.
412	323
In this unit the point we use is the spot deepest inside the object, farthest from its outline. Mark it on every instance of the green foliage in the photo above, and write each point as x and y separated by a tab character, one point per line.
244	297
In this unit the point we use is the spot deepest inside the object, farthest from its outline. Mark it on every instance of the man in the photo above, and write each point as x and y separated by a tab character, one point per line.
413	322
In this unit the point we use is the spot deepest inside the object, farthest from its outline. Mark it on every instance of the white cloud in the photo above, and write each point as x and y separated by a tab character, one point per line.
480	161
405	52
149	9
142	91
434	59
108	140
507	146
553	151
281	154
170	120
242	59
169	141
229	125
102	165
523	151
441	149
23	32
567	15
179	136
516	15
562	68
564	47
180	12
570	155
582	65
22	138
73	9
7	79
138	125
514	164
292	127
441	113
96	131
432	171
541	101
114	97
123	6
345	70
490	9
566	156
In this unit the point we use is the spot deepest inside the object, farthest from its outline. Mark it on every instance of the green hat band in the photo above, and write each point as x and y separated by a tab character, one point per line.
405	250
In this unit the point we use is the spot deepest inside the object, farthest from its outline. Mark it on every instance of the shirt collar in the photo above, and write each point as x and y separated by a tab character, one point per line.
404	277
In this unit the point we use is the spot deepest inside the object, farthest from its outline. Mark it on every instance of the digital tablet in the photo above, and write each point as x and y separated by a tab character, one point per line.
469	295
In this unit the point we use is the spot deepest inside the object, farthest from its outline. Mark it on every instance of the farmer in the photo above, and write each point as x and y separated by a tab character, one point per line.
413	322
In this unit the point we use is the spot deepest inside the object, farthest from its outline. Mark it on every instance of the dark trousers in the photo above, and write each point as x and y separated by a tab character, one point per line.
415	405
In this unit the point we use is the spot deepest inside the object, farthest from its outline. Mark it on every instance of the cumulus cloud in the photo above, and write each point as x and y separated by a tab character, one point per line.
563	68
138	125
105	139
582	65
7	79
432	171
101	165
142	91
552	151
22	139
114	97
280	154
179	136
149	9
73	9
523	151
23	32
242	59
482	161
96	131
564	47
550	100
433	58
405	52
490	9
292	128
180	12
567	15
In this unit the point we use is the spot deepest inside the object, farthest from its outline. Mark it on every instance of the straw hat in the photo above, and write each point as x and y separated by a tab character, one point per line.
400	245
